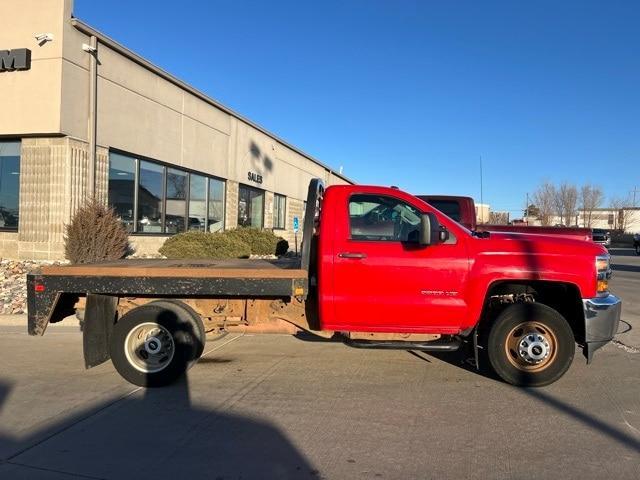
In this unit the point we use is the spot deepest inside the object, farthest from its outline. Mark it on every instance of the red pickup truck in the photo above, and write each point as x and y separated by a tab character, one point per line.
380	268
463	211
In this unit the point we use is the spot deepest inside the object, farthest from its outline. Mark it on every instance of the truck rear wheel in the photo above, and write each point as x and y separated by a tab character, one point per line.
530	345
155	344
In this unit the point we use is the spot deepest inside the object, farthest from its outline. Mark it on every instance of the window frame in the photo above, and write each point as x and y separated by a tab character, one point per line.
284	215
19	142
166	166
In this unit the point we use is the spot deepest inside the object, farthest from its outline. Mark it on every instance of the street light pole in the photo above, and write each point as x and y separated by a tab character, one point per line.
481	194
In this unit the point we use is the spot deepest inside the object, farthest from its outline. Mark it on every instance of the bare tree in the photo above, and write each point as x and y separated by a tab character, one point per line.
565	202
499	218
591	197
623	215
544	199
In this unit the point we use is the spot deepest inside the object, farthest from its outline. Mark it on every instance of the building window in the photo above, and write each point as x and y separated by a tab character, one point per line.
215	216
250	207
122	188
9	185
197	203
176	202
279	211
150	196
168	200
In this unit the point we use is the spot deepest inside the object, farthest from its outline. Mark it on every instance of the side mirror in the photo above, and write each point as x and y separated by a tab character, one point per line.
431	232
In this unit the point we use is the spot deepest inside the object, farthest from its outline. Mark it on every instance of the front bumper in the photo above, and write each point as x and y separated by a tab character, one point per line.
601	318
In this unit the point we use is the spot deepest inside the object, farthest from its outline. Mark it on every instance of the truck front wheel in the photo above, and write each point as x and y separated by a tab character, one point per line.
530	345
153	345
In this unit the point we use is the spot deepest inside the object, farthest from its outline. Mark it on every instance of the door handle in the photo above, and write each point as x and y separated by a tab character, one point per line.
355	255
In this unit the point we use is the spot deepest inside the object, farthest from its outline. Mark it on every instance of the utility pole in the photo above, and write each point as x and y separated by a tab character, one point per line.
481	196
526	209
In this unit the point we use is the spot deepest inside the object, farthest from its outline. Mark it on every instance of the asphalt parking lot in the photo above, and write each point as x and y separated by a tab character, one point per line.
282	407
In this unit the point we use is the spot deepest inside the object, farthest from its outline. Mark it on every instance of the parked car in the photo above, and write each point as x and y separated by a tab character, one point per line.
602	236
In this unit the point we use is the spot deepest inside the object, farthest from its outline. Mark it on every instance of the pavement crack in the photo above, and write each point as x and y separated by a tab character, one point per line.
625	347
52	470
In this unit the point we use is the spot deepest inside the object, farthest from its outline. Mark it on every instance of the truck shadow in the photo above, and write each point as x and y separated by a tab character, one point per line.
159	434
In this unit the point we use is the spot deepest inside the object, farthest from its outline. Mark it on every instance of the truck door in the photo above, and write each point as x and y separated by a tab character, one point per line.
385	281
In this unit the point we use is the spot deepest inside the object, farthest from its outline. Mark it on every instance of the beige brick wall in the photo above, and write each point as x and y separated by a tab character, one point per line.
143	245
53	184
294	209
268	209
231	206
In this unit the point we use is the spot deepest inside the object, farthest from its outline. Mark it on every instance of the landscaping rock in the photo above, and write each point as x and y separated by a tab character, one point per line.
13	283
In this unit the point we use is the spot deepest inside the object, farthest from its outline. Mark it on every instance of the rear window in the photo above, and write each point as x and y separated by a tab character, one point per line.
450	208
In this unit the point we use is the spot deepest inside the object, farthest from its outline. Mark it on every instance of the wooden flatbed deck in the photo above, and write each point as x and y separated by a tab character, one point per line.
288	268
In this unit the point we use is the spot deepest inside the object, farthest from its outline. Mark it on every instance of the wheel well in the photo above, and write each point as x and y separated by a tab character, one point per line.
563	297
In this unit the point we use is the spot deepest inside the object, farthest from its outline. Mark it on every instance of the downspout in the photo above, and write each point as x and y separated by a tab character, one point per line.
93	109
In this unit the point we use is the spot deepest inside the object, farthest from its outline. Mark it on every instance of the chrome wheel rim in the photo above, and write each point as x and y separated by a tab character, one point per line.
149	347
531	346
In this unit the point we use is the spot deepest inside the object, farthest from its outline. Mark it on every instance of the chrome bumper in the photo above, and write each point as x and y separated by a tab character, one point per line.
601	318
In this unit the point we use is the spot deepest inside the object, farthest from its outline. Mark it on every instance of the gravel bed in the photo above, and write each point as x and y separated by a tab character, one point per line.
13	283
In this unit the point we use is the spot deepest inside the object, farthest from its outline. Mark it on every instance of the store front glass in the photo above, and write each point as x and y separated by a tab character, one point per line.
122	185
9	185
250	207
150	193
176	208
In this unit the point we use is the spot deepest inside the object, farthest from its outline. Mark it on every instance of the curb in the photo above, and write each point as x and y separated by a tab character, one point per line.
20	320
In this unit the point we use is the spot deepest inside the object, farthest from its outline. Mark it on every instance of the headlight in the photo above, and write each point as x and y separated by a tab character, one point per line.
603	274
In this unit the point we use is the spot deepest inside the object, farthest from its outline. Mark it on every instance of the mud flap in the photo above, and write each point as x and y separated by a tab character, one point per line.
99	318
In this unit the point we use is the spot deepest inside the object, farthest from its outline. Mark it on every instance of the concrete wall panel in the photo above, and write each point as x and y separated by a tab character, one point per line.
135	123
204	148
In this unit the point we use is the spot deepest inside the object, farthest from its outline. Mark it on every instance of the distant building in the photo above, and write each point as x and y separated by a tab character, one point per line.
483	211
627	219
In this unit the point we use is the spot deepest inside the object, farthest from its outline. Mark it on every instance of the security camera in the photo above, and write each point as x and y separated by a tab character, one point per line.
89	48
43	38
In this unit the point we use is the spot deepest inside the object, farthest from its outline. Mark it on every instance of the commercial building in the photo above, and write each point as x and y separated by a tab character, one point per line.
84	116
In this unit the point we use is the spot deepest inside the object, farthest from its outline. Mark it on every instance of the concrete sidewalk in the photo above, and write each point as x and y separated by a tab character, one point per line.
20	320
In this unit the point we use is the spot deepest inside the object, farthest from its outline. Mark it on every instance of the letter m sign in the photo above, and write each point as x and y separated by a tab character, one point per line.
16	59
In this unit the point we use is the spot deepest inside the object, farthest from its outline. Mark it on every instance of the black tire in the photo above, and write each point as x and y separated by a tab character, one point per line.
180	309
530	345
155	344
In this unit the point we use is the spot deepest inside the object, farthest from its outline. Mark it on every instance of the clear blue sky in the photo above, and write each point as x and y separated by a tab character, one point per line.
411	93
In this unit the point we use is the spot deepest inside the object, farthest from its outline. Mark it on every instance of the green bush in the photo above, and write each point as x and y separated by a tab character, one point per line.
95	234
238	243
204	245
261	242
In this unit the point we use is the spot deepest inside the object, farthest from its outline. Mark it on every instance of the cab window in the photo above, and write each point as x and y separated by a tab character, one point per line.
382	218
